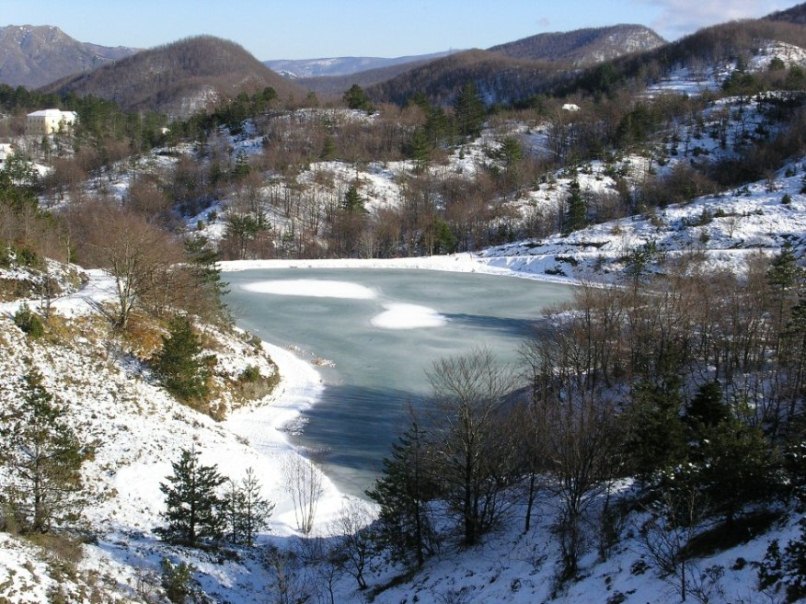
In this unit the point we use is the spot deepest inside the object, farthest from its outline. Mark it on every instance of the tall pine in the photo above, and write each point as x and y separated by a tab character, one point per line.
248	512
403	492
42	455
469	111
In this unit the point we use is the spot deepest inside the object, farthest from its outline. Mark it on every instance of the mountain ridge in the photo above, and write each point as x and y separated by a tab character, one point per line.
342	66
36	55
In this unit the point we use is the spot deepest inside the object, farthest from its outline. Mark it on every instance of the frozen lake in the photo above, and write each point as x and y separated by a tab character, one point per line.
381	329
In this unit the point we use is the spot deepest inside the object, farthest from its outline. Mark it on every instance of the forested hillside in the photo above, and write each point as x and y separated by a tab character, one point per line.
180	78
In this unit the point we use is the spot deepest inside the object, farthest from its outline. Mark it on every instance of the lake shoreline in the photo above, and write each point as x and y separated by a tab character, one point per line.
465	262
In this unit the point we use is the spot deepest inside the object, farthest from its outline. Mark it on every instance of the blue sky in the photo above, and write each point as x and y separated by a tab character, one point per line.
297	29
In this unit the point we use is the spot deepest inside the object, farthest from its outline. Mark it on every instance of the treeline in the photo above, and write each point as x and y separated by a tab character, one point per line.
689	386
100	122
156	272
501	80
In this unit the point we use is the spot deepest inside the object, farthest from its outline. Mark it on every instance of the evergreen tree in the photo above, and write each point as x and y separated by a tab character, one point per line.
469	111
356	98
247	511
706	409
736	466
177	581
195	512
352	200
510	153
203	260
42	456
29	322
179	365
655	438
403	492
420	149
576	215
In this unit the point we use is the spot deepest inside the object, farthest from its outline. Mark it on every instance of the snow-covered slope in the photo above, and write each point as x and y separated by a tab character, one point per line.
139	430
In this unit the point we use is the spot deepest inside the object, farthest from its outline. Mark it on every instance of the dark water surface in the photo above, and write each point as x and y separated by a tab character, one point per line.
379	371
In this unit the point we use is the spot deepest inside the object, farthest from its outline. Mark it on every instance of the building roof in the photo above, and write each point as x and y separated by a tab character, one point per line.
52	113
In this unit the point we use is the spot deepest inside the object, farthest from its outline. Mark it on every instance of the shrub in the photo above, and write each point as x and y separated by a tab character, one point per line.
249	375
177	581
29	322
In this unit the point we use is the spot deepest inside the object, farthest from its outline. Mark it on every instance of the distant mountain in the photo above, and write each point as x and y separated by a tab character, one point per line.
341	66
503	73
333	86
796	14
33	56
498	78
583	47
179	78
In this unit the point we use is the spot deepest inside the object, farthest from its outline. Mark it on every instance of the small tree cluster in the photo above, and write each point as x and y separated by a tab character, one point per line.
303	481
785	571
199	514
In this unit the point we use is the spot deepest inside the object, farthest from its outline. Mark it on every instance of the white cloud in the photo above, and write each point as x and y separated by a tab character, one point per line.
677	18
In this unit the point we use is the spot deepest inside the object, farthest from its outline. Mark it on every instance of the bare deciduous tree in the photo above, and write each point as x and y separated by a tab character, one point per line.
303	481
474	455
142	259
355	540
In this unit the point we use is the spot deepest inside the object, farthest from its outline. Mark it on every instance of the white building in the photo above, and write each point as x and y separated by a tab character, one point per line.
48	121
6	150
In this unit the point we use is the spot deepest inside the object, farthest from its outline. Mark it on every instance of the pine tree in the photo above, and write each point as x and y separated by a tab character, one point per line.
356	98
420	149
510	153
402	493
655	437
576	216
248	512
469	111
736	466
195	512
352	200
203	260
706	409
43	456
178	365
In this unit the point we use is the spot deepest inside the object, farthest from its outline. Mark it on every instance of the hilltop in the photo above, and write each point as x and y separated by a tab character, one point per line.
179	78
583	47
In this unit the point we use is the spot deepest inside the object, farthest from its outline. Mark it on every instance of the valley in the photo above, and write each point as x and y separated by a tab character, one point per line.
523	324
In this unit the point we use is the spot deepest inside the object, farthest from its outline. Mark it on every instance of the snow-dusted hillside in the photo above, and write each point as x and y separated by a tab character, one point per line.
723	230
139	430
690	80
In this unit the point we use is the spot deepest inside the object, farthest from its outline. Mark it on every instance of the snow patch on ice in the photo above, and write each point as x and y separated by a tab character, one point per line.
408	316
312	288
